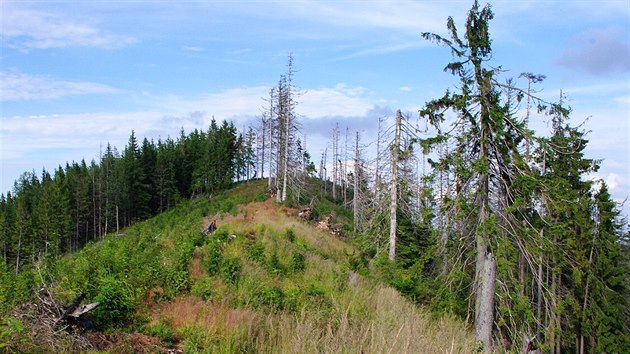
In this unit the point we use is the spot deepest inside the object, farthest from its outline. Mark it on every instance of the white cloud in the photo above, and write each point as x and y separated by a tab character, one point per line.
406	89
50	140
403	16
193	48
243	103
614	180
18	86
28	29
341	100
22	135
623	100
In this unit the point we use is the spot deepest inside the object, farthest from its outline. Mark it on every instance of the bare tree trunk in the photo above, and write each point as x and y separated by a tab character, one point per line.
377	179
270	128
344	174
441	218
356	193
286	157
539	293
324	171
552	313
485	287
19	250
484	316
394	190
335	158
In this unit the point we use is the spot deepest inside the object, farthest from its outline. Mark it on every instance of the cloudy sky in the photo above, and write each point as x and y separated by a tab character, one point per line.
75	75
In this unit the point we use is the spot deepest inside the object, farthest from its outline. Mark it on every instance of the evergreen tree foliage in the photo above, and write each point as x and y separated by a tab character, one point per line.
80	203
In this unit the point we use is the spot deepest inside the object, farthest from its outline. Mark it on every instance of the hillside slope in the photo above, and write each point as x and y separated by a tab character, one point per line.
264	281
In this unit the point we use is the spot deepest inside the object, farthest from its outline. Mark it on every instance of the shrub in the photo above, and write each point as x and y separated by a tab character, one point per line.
12	335
115	308
292	299
273	296
358	263
274	264
203	289
231	270
177	282
298	262
256	252
290	234
261	197
214	257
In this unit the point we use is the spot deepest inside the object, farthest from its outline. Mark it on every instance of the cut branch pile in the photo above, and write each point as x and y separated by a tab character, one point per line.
54	326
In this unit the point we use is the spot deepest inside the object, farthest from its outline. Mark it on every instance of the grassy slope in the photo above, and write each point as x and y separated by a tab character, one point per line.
263	282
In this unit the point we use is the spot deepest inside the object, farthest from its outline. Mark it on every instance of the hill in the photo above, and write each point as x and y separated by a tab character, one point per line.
264	281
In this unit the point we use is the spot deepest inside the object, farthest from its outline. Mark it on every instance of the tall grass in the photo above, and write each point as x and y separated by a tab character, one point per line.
367	320
264	282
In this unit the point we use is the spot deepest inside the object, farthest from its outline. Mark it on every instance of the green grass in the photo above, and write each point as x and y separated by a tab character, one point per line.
263	282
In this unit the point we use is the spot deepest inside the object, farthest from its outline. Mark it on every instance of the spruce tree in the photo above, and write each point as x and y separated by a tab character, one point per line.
484	164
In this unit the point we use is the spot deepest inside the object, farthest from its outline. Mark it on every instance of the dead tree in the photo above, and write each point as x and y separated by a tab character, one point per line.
394	190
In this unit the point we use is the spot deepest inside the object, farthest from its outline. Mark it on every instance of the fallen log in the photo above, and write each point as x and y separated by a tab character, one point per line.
75	310
83	310
70	309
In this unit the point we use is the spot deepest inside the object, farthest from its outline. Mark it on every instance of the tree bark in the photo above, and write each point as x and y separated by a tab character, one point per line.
486	276
271	98
394	190
286	157
356	194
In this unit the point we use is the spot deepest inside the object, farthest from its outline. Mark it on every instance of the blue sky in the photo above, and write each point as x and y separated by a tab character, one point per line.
75	75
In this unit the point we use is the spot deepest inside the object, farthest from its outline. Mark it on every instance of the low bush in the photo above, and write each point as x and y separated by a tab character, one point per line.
298	262
203	289
274	265
115	306
290	234
231	270
256	252
273	297
214	257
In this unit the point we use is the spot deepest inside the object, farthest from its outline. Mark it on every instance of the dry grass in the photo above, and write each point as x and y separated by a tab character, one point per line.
395	326
190	311
358	315
280	218
196	270
388	324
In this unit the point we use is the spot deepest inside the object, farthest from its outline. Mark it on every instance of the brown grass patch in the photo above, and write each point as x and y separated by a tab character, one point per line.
196	265
190	311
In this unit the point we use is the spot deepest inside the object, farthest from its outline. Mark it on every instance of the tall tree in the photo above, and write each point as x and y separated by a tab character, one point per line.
489	137
395	147
136	190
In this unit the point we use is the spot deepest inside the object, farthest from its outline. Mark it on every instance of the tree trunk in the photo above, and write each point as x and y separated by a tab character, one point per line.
355	194
485	289
286	157
539	293
335	157
344	173
270	128
19	250
394	190
377	178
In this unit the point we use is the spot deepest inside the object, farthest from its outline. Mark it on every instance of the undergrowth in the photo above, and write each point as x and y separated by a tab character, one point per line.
262	282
